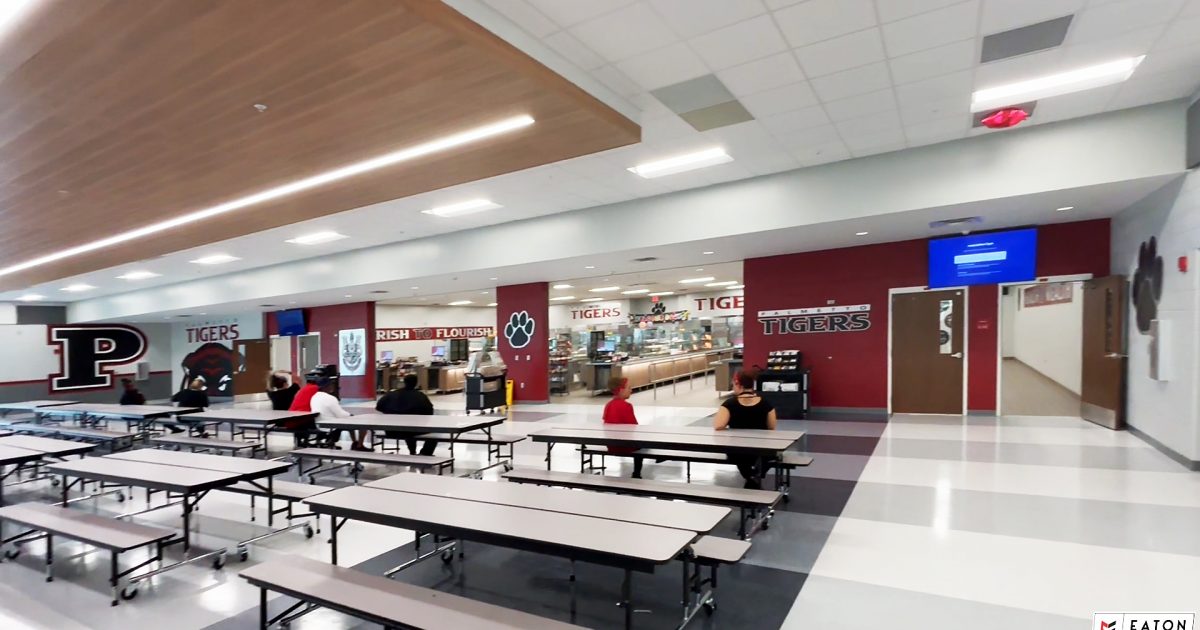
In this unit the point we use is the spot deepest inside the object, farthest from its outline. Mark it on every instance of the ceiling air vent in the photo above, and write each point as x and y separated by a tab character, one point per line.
267	305
378	291
956	223
646	259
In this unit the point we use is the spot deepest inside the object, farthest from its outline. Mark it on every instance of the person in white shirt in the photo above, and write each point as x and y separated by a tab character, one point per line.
328	408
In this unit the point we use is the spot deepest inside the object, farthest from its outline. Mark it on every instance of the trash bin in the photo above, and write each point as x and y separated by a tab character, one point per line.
508	390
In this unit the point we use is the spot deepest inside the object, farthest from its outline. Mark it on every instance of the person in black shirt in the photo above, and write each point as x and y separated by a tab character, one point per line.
131	395
746	410
280	393
409	400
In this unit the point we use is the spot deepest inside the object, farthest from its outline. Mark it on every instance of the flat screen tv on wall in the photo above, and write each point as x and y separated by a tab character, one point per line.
291	323
989	258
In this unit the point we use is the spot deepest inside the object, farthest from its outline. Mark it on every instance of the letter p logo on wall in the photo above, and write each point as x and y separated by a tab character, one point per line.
87	354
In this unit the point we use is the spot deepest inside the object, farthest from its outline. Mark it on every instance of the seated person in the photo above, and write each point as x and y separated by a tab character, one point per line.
130	394
408	401
193	396
746	410
329	408
280	393
620	411
303	430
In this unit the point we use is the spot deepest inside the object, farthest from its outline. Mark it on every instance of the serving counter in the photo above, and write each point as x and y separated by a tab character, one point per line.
654	370
443	378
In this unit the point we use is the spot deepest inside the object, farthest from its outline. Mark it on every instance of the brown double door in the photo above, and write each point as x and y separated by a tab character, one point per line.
253	363
1102	395
927	352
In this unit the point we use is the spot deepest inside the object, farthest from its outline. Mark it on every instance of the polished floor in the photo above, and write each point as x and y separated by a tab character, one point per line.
1027	392
918	522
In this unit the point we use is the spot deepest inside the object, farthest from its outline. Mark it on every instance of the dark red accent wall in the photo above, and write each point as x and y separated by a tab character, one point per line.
529	366
328	320
849	369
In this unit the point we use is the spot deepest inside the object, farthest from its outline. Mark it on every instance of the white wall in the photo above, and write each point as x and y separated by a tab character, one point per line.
28	356
8	314
391	316
1049	338
1167	411
1008	314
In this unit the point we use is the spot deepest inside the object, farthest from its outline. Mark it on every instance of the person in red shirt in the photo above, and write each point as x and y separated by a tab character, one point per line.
619	411
302	429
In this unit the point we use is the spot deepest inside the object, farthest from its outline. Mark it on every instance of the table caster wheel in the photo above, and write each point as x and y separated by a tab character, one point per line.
55	481
308	531
218	562
120	497
710	608
448	556
243	554
12	554
129	592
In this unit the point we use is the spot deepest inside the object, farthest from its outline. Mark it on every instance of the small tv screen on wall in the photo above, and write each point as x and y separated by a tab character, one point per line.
990	258
291	323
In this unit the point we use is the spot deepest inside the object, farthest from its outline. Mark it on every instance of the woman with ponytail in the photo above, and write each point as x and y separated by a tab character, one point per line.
746	410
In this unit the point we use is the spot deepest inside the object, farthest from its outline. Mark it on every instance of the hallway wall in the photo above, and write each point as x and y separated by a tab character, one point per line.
1049	338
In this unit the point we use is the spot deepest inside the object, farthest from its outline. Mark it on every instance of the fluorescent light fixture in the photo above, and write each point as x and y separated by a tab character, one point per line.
216	259
563	286
459	303
737	286
414	288
592	300
658	293
681	163
493	304
708	253
604	289
1078	80
317	238
1065	208
724	283
635	292
138	275
388	159
697	280
590	267
76	288
562	297
31	297
861	233
470	206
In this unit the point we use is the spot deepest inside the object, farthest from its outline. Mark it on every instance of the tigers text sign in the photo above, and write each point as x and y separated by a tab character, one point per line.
818	319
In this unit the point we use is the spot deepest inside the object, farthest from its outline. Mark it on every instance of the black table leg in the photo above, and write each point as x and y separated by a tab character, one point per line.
262	609
626	587
187	520
271	501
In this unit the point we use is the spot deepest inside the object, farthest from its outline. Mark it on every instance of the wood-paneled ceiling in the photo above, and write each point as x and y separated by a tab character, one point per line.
115	114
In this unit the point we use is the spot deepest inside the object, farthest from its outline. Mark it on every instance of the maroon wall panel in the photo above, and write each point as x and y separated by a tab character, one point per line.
523	338
328	320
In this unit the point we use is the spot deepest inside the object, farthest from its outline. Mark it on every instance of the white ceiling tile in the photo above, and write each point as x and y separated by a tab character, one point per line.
884	142
1181	32
882	122
797	120
892	10
779	4
779	100
1002	15
571	12
843	53
566	45
950	86
743	136
689	18
816	136
775	161
663	67
934	62
761	75
625	32
928	30
934	110
1019	68
615	80
861	105
1074	105
1129	44
667	127
818	20
822	154
525	16
869	78
1171	60
1191	10
740	43
1156	88
1096	23
938	130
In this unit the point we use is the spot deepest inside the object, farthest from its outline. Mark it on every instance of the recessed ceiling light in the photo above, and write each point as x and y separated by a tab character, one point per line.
484	292
697	280
724	283
314	181
562	297
31	297
658	293
292	302
493	278
635	292
737	286
463	207
590	267
414	288
592	300
1065	208
709	253
562	286
216	259
1078	80
76	288
138	275
861	233
492	304
459	303
316	238
699	268
604	289
347	295
681	163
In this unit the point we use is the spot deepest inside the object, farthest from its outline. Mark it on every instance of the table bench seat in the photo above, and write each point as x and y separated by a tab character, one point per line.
494	445
788	461
210	444
717	550
383	601
358	458
109	438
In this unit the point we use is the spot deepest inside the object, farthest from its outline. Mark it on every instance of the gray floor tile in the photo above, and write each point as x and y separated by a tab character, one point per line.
1073	456
792	543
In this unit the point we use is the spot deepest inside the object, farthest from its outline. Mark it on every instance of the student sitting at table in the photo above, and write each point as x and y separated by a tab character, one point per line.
193	396
303	430
408	401
280	392
746	410
620	411
130	394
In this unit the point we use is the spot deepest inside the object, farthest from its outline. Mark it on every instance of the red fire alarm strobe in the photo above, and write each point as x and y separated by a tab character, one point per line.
1183	264
1005	118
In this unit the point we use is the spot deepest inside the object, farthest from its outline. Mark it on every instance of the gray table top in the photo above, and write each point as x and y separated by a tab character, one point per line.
251	416
685	491
789	436
697	518
144	475
404	422
568	535
90	528
678	441
119	411
389	599
245	466
49	446
14	455
30	405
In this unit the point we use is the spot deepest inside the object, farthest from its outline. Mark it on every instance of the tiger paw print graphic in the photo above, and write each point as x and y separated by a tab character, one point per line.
1147	285
519	329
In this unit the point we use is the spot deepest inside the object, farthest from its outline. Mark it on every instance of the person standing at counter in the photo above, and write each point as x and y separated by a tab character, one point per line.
746	410
410	401
620	411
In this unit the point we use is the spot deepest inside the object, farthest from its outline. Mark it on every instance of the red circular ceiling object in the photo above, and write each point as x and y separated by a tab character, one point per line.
1005	118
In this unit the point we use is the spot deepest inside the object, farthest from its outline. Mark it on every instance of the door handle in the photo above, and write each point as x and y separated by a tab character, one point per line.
957	355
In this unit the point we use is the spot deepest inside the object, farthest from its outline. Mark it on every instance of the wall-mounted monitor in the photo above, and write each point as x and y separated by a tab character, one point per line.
989	258
291	323
438	352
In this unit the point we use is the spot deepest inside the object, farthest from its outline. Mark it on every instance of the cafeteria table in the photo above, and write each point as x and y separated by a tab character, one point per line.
30	405
453	426
140	416
263	420
20	451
